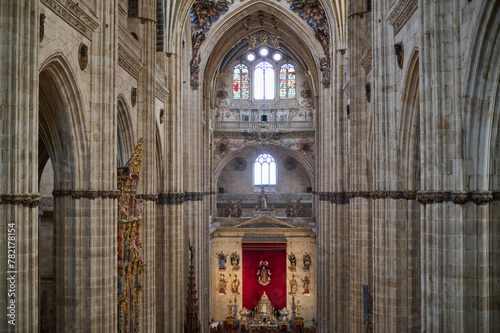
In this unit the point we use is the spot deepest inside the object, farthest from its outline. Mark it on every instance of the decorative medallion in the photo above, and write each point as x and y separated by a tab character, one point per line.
222	94
42	26
162	116
290	163
83	56
305	147
398	49
133	96
239	164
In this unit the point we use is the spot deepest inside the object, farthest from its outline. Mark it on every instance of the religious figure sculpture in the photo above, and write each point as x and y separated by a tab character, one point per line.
234	208
222	284
306	282
293	262
307	262
222	260
235	285
235	261
293	285
263	198
264	273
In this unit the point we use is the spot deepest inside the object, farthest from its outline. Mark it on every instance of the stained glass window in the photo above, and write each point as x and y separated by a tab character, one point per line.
287	81
241	82
264	81
264	169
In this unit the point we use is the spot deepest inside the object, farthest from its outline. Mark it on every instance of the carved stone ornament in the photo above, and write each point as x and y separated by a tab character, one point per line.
42	26
398	49
83	56
133	96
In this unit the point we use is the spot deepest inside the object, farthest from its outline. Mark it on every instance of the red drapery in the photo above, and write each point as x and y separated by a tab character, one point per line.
275	254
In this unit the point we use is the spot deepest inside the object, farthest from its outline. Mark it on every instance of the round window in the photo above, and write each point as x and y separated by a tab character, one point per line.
263	52
250	57
277	56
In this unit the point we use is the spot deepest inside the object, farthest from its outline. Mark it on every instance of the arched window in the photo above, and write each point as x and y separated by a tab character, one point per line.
264	169
241	82
287	81
264	81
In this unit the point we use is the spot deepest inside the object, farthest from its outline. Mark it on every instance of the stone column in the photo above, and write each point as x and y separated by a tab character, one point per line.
359	168
19	165
147	186
449	240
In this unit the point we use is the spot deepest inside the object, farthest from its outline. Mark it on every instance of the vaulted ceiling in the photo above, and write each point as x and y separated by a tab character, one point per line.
177	12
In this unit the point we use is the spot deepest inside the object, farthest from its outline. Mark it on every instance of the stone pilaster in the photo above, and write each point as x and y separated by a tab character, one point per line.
19	165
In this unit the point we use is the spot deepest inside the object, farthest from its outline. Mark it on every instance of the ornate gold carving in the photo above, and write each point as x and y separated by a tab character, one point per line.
135	162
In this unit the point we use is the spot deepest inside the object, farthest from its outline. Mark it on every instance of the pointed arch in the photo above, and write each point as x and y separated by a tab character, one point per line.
219	168
409	126
481	112
62	122
125	132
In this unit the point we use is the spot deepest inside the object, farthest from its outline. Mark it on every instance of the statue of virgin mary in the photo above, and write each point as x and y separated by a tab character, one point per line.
264	273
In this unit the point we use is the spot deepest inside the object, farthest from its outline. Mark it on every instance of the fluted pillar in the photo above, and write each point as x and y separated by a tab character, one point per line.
19	165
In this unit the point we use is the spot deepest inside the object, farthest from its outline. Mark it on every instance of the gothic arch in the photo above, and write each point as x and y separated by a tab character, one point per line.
482	91
125	132
409	126
222	37
231	155
62	122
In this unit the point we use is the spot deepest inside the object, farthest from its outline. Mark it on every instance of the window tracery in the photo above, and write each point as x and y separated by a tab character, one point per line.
265	170
264	81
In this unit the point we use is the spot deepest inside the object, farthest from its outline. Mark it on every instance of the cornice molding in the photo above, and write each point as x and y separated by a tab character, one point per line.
366	61
87	194
422	197
401	13
128	62
25	199
74	16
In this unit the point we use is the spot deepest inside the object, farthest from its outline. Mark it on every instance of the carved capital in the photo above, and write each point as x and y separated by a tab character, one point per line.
459	198
482	198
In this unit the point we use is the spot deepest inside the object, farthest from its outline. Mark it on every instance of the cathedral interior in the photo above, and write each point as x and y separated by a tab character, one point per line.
250	166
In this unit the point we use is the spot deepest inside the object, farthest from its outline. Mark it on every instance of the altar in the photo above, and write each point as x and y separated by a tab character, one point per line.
264	318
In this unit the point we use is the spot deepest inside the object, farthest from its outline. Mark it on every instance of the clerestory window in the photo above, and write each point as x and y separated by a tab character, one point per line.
264	81
264	168
287	81
241	82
